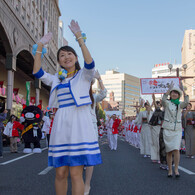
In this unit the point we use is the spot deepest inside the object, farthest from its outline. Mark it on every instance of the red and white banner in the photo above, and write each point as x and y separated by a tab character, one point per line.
157	85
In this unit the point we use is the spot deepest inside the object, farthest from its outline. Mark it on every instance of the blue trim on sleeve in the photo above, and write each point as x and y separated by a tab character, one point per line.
89	66
39	74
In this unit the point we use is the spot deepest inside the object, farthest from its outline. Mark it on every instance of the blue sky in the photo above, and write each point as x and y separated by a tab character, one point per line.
128	34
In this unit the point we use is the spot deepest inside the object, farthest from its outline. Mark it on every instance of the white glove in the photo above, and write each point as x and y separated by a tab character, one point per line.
74	27
46	38
97	75
171	86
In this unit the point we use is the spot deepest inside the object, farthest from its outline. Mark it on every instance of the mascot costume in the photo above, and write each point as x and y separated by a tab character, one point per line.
32	132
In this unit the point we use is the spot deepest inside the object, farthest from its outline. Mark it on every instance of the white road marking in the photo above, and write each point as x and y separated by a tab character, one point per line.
15	159
186	171
45	171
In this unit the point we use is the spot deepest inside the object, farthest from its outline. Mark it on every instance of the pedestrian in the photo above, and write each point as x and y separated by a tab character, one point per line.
73	143
114	135
3	115
109	124
155	124
145	140
47	126
11	130
172	128
95	98
188	119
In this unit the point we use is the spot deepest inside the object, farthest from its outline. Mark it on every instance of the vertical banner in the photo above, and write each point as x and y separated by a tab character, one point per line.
27	93
32	100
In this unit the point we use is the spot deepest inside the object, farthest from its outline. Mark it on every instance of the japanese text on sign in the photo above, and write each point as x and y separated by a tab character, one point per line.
157	85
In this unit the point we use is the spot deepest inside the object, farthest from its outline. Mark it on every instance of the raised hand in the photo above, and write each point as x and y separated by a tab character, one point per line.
181	86
74	27
171	85
153	97
46	38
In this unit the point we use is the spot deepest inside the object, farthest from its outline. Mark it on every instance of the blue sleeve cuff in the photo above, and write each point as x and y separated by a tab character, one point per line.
39	74
89	66
34	50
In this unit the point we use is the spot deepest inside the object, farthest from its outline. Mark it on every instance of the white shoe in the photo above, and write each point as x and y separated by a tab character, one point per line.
145	156
27	150
37	150
87	191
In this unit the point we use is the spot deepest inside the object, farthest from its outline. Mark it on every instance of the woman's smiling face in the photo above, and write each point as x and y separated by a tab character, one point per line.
67	60
174	95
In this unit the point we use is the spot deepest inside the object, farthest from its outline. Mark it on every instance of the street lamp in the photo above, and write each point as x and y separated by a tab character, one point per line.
170	66
185	66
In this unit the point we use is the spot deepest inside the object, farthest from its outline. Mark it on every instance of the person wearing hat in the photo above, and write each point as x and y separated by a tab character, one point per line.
172	133
3	115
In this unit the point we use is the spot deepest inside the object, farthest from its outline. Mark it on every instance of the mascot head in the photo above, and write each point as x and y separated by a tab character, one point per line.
2	104
32	114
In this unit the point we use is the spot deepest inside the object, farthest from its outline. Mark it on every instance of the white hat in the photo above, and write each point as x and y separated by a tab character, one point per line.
177	89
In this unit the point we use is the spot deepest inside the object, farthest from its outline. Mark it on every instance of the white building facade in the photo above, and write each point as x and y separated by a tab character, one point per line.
126	90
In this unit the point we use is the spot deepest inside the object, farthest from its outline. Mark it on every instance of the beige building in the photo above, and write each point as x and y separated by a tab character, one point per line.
126	90
188	58
22	24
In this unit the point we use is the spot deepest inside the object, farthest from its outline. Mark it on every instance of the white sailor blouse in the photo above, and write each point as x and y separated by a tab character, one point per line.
79	85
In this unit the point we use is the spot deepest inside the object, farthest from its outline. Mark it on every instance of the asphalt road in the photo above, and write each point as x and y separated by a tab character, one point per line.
123	172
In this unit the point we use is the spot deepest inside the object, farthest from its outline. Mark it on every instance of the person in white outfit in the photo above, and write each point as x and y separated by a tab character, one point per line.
143	119
47	125
109	124
155	124
73	142
172	126
96	98
114	135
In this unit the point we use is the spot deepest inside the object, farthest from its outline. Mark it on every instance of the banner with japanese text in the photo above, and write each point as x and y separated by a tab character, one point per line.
157	85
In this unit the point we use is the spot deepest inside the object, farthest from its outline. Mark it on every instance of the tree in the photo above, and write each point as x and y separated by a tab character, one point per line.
101	114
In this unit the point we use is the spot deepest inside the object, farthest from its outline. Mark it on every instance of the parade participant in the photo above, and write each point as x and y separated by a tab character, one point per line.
47	126
95	98
32	134
162	151
11	130
114	134
3	115
143	119
172	132
73	142
128	129
188	119
109	124
155	124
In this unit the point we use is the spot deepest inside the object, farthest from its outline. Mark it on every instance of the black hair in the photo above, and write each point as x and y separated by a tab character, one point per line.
12	116
146	104
91	95
69	49
190	104
175	92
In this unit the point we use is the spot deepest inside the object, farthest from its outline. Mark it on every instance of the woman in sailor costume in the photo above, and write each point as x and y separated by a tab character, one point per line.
73	142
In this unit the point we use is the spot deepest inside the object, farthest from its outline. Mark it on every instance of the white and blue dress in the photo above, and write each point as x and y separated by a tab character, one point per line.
73	141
